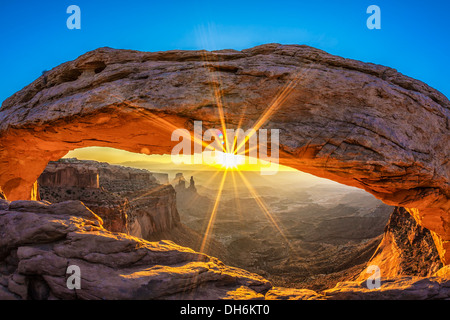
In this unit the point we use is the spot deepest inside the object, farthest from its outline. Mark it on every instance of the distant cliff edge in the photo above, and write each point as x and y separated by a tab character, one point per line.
128	200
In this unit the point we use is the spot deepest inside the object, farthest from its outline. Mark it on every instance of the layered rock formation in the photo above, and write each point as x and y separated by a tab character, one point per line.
179	183
70	179
128	200
407	249
152	211
399	288
128	196
73	174
357	123
111	208
40	241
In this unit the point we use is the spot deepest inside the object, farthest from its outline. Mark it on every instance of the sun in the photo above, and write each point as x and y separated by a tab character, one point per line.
229	160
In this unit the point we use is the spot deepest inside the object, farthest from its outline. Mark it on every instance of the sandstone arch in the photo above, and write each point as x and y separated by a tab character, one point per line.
357	123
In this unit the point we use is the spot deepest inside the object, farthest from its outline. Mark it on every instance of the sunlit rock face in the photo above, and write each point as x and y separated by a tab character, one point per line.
407	249
357	123
153	211
73	175
128	200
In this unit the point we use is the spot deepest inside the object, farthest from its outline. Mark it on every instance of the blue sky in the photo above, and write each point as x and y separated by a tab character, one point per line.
414	35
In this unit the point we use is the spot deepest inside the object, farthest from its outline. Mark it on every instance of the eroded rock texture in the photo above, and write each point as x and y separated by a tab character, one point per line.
128	200
399	288
407	249
357	123
40	240
58	174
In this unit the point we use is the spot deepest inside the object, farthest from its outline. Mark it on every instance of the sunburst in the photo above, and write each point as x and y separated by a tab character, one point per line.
231	158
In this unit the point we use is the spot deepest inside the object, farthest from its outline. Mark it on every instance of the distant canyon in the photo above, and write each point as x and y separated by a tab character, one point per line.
326	234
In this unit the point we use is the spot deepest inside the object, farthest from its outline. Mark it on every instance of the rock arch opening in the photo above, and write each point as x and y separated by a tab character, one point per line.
294	229
359	124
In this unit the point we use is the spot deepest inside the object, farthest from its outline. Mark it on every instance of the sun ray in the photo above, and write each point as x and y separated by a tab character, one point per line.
241	119
277	102
151	191
162	123
237	200
167	126
265	210
216	85
213	213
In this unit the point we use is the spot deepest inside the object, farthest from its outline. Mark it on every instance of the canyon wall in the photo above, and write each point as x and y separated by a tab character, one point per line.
132	201
128	200
153	212
75	175
407	249
357	123
41	240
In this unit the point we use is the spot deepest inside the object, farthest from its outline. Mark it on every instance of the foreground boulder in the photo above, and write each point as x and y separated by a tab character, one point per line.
38	241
